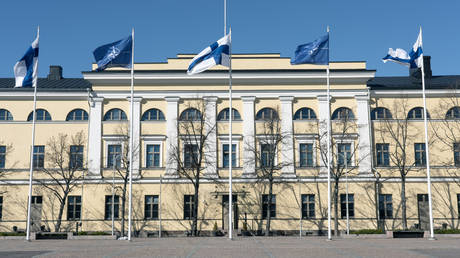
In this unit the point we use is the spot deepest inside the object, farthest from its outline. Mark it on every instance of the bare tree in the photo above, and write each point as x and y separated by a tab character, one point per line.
446	132
343	150
65	168
267	153
194	155
121	164
400	134
5	152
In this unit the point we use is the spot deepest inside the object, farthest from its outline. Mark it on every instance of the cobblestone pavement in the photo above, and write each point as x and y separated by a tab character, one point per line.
239	247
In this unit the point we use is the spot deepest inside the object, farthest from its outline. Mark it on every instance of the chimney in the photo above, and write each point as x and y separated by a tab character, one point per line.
417	73
55	72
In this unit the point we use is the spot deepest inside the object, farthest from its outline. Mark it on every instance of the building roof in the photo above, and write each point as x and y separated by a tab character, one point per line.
411	83
64	84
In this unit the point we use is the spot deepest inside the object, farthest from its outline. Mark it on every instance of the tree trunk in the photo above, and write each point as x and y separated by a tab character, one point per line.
195	209
336	207
403	202
270	196
377	208
123	206
57	228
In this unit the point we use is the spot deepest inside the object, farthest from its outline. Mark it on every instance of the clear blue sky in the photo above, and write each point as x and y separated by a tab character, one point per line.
360	29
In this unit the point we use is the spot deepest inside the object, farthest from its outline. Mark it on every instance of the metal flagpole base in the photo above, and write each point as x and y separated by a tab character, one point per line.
432	238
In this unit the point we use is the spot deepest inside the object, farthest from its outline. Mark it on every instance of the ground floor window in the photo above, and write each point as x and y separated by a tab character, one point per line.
109	201
308	206
151	207
189	205
343	205
268	207
385	206
74	208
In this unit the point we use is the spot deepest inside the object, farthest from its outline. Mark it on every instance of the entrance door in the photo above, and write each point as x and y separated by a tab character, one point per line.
36	213
225	212
423	211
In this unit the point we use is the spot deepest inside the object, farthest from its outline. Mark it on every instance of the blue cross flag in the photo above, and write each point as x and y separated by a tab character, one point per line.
115	54
316	52
25	70
217	53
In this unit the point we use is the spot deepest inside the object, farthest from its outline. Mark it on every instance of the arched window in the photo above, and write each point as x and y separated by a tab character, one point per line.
224	115
453	113
304	114
115	114
5	115
40	115
380	113
343	113
190	114
77	115
267	114
153	115
417	113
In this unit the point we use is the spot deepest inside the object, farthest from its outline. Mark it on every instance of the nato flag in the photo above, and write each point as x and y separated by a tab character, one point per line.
316	52
115	54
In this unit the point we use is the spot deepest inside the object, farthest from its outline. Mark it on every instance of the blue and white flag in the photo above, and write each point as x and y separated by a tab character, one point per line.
26	69
413	59
115	54
316	52
217	53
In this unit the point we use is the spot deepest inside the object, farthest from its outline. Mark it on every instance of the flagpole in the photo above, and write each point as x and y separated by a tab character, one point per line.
131	134
230	142
427	152
31	171
329	237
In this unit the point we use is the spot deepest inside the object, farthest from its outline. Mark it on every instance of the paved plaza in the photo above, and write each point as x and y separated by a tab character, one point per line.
239	247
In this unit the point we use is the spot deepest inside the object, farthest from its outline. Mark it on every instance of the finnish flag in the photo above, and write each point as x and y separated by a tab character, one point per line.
414	59
217	53
25	70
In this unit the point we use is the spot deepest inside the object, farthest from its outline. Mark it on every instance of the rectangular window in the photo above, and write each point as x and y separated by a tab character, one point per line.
268	155
306	155
385	206
151	207
74	208
2	156
189	205
344	152
308	206
153	156
343	205
265	206
109	207
114	155
76	156
456	154
420	156
1	207
190	155
382	154
225	155
39	156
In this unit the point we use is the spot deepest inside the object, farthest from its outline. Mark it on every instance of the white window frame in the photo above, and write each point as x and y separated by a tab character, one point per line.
352	148
306	139
153	140
112	140
224	140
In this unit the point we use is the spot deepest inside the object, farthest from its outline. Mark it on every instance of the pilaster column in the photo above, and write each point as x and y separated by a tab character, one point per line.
323	116
171	136
249	158
211	143
95	137
136	133
363	124
287	133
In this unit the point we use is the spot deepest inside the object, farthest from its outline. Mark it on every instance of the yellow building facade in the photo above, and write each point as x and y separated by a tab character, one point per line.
377	134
